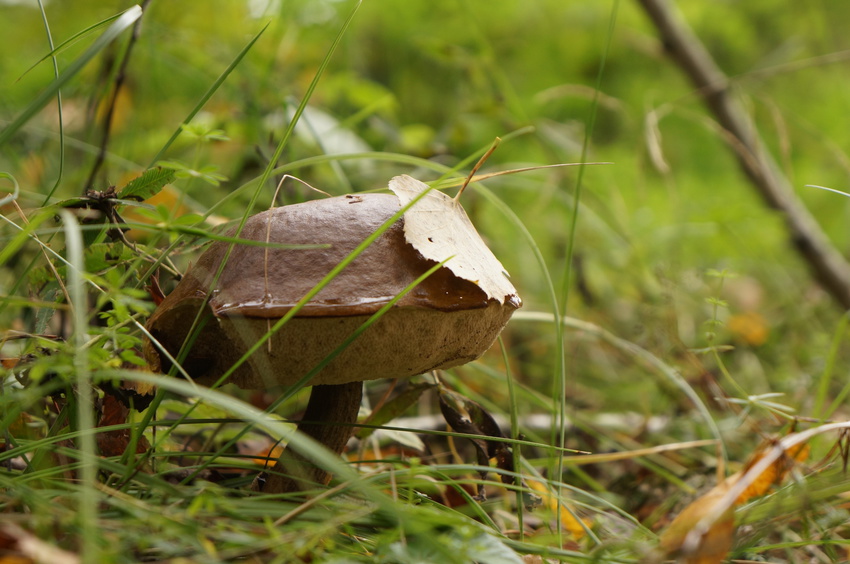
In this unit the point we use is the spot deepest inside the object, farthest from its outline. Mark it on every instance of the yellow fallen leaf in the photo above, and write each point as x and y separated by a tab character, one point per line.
568	521
121	112
168	197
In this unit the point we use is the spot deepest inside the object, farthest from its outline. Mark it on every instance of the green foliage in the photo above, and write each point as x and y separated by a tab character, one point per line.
645	338
147	185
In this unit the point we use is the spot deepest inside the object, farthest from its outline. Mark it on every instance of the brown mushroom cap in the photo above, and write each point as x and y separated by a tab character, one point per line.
445	321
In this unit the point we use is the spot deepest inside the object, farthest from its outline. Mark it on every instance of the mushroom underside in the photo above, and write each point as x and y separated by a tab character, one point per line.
402	343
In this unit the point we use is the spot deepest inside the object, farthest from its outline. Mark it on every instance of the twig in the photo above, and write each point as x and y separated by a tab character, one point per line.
120	78
828	266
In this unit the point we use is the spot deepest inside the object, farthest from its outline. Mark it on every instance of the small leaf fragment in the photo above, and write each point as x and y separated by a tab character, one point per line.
578	528
115	442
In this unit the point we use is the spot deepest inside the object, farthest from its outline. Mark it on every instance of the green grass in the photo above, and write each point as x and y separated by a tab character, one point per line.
636	278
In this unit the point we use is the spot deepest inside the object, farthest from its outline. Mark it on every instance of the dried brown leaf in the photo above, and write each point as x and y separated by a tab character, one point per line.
468	416
437	226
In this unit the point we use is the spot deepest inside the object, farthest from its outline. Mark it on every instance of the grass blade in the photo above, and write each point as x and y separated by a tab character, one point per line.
89	498
113	31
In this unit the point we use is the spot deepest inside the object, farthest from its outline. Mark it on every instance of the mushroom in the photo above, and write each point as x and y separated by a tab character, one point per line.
445	321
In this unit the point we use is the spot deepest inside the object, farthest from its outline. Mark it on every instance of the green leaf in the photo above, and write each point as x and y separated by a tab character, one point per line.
148	184
206	173
102	256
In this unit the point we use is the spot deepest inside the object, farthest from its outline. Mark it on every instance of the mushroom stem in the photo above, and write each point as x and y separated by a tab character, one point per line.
330	413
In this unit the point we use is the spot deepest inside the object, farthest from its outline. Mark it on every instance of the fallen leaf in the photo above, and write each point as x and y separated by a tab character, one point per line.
774	474
155	290
122	109
9	363
578	529
750	327
268	456
716	541
135	395
114	443
437	226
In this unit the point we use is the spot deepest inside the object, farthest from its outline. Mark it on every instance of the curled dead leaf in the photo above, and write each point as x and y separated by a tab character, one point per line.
467	416
714	544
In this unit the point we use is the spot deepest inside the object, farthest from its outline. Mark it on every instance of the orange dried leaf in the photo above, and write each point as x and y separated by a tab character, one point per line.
169	197
121	112
773	475
9	363
155	290
716	541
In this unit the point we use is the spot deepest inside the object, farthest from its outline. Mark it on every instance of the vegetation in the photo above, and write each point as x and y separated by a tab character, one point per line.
672	334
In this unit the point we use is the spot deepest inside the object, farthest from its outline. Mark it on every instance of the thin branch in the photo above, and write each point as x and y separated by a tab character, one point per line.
120	78
828	266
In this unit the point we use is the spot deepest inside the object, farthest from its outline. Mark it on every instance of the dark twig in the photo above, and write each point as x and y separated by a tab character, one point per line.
828	266
120	78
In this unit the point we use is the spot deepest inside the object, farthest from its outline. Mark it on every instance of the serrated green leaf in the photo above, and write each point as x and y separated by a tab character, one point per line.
148	184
